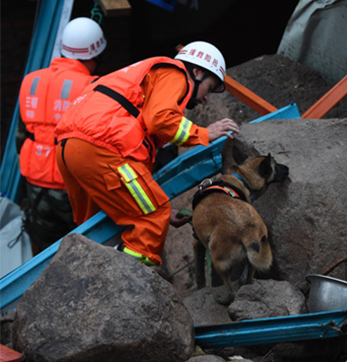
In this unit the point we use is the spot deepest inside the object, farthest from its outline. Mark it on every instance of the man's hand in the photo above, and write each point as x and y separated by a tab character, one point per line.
222	128
177	219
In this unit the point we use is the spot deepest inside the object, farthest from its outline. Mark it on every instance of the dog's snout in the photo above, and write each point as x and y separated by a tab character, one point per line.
281	172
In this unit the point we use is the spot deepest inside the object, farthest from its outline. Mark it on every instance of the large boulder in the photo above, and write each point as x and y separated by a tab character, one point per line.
266	299
93	303
306	215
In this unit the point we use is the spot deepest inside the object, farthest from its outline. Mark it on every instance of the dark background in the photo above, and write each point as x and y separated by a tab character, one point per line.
241	29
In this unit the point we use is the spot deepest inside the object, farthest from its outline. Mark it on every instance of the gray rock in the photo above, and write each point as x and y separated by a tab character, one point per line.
213	358
93	303
306	215
204	310
179	254
206	358
324	350
266	299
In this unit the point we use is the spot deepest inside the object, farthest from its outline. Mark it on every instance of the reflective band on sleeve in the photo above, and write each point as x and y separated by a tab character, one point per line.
129	179
34	86
183	132
65	90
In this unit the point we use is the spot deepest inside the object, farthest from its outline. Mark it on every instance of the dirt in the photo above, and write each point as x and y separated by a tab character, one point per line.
279	81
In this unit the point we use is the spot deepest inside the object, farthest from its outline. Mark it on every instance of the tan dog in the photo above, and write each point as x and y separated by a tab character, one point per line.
226	223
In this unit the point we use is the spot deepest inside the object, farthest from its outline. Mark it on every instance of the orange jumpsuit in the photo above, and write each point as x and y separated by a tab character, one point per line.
106	162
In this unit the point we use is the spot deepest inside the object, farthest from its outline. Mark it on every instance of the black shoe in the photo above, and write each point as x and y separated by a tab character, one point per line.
119	246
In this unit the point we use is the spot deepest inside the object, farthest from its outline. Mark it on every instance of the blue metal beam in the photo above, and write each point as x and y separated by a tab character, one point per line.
165	4
273	330
41	48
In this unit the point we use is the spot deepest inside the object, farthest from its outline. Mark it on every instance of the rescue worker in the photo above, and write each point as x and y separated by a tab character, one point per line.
44	96
109	135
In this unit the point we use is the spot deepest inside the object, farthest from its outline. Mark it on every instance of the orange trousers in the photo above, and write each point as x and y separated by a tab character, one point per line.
94	181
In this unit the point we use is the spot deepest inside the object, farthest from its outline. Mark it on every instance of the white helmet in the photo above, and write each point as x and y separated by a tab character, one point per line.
204	55
82	39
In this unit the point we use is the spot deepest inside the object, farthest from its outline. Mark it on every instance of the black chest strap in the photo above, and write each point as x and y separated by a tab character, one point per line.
118	98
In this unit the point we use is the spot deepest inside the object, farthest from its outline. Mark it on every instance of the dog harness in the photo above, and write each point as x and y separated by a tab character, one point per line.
208	186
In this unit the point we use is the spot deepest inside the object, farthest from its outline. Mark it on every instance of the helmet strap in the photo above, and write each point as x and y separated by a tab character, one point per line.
193	102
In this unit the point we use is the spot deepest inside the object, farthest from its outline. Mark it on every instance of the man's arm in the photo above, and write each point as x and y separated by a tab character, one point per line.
163	89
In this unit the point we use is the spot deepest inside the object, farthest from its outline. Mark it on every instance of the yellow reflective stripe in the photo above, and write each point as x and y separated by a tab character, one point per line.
140	196
127	172
183	132
133	253
143	259
149	262
137	192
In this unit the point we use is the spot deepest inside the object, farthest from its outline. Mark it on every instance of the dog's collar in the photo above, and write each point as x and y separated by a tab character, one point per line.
207	186
236	175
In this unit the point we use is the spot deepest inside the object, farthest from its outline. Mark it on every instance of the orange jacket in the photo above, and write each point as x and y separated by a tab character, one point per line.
157	89
44	96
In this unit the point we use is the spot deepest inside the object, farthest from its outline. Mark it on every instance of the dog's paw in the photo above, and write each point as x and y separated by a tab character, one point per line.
223	296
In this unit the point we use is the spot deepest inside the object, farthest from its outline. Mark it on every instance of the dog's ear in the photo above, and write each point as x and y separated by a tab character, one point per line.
265	167
239	156
233	154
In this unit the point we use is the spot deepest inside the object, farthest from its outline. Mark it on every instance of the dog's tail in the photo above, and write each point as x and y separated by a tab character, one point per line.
259	254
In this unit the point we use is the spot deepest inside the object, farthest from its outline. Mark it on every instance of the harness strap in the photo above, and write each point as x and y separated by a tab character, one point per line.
127	105
63	143
204	191
118	98
32	137
225	189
